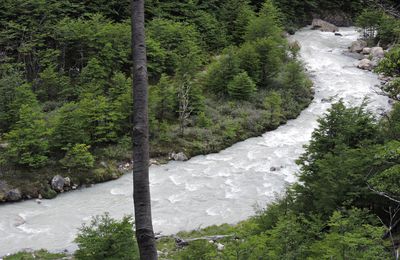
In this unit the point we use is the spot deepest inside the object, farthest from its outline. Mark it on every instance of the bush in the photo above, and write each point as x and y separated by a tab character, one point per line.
390	65
241	87
78	157
28	144
107	238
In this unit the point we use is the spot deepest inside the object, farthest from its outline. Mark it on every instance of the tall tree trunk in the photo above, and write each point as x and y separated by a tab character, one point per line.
141	195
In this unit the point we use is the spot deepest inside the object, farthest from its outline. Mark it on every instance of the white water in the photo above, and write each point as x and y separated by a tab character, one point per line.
206	190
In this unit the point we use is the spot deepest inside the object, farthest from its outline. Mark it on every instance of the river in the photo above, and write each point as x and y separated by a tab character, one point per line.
226	187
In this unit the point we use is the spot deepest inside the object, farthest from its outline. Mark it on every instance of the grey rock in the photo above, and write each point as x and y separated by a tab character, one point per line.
338	34
104	164
57	183
179	157
67	182
354	55
365	64
318	24
366	51
14	195
358	46
377	52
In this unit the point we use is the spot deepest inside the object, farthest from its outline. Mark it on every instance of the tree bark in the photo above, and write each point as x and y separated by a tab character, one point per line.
141	195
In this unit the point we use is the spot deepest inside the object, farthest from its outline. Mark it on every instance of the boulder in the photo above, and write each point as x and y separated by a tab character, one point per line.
375	61
354	55
57	183
14	195
365	64
377	52
366	51
220	247
358	46
318	24
179	157
67	182
338	34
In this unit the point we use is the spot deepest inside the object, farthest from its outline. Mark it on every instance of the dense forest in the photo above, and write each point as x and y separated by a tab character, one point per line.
66	88
220	72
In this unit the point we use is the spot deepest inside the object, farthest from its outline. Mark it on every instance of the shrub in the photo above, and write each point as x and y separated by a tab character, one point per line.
390	65
241	87
28	144
107	238
78	157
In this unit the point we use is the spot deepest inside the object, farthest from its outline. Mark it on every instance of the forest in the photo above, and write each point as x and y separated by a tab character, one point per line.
65	85
219	72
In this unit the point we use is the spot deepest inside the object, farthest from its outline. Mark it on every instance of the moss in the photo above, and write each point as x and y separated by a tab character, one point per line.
48	193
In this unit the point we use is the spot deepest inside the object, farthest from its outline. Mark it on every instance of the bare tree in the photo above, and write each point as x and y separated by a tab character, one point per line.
143	220
184	103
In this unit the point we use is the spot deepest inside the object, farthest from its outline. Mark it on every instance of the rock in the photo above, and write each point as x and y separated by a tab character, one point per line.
14	195
375	61
220	247
67	182
154	161
19	221
377	52
318	24
57	183
3	196
273	169
354	55
74	187
338	34
358	46
40	196
38	201
104	164
366	51
49	193
179	157
365	64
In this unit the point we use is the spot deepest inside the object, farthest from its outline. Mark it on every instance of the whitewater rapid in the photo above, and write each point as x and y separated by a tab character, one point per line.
226	187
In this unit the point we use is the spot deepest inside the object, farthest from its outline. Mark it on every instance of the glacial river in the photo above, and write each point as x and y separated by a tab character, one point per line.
226	187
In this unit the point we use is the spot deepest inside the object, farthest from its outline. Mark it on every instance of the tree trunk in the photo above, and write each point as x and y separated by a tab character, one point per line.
140	135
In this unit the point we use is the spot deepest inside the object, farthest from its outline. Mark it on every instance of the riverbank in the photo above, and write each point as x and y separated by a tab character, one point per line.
249	120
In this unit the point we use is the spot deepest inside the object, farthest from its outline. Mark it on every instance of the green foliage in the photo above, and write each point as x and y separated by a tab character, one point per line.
107	238
236	15
241	87
181	42
9	81
273	105
78	157
266	24
336	158
28	143
390	65
351	236
41	254
378	26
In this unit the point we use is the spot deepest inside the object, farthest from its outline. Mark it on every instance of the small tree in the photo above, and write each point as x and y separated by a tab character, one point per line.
28	143
273	105
107	238
78	157
241	87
